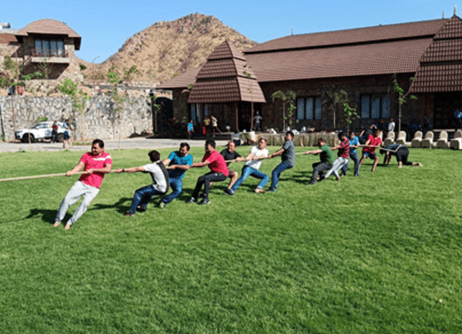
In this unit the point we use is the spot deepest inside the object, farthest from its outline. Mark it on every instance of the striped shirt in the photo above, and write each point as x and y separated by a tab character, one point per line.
344	149
327	155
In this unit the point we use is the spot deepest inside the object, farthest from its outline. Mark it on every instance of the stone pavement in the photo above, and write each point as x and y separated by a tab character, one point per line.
112	144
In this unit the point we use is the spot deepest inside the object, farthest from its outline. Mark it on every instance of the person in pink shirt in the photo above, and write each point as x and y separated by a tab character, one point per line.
95	165
374	141
218	172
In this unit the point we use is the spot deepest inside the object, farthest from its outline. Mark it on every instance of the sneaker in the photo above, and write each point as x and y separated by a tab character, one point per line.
162	205
229	192
204	201
271	190
191	200
260	191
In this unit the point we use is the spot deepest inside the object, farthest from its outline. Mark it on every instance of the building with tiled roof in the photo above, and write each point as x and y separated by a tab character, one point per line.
46	42
362	62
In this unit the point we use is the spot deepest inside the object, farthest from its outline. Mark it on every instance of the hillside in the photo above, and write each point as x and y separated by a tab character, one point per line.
167	49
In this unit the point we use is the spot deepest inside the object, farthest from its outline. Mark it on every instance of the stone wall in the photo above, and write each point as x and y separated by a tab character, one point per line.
99	122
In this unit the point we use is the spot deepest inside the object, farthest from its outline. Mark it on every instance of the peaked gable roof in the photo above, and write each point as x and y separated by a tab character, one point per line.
50	27
226	77
440	67
380	33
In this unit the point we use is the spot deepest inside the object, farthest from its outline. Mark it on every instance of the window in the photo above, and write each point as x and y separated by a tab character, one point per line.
196	115
49	47
309	108
375	106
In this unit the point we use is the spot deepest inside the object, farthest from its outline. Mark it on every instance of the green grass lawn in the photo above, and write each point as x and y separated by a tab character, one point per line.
368	255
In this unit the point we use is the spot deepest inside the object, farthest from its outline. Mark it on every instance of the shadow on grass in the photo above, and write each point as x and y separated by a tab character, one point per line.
119	205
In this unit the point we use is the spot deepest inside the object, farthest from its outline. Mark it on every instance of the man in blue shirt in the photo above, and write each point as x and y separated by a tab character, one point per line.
458	116
178	163
354	143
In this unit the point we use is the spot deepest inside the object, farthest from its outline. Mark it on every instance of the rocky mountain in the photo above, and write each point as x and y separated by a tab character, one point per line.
167	49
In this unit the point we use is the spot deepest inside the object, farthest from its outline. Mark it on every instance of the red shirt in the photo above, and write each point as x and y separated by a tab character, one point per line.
217	162
344	149
94	162
374	141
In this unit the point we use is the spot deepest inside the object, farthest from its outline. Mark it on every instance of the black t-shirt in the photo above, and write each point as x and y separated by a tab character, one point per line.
229	156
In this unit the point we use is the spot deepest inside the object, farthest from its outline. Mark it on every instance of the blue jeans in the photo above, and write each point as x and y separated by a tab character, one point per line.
276	173
249	171
142	197
177	188
355	158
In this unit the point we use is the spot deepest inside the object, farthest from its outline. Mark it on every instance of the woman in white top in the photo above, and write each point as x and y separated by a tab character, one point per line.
252	166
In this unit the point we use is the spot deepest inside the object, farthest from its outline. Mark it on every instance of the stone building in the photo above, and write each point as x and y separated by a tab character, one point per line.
361	62
42	44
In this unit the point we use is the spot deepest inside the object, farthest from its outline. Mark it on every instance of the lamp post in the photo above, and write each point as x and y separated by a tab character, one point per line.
93	61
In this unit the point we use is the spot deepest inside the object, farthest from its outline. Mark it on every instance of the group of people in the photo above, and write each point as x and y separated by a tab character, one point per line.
170	172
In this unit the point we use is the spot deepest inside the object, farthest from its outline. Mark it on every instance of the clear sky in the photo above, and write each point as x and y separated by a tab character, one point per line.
106	25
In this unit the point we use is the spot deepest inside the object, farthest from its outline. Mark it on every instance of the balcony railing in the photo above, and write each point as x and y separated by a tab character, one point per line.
47	53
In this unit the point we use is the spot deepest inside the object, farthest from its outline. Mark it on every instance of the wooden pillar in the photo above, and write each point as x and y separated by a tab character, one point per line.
236	110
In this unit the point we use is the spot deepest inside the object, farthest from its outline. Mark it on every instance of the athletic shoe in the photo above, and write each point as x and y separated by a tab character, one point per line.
162	205
260	191
204	201
191	200
271	190
229	192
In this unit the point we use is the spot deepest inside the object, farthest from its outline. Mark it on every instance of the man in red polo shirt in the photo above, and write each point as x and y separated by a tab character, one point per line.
96	164
372	143
219	172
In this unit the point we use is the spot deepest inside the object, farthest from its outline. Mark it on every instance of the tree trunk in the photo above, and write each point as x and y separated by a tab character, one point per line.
236	105
251	116
283	117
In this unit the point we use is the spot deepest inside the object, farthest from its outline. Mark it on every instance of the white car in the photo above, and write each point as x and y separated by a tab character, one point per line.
41	131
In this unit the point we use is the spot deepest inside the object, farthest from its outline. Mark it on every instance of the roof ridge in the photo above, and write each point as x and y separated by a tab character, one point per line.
361	28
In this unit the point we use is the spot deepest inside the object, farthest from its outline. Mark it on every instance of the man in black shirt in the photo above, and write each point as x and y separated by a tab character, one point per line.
401	152
231	154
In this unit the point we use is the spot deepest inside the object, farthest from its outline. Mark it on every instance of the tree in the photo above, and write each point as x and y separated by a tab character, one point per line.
349	115
401	97
79	101
332	99
288	99
116	79
12	75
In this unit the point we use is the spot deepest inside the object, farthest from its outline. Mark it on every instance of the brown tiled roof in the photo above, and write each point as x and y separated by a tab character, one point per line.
226	77
357	52
181	81
50	27
344	61
452	29
351	36
441	65
438	78
225	50
7	38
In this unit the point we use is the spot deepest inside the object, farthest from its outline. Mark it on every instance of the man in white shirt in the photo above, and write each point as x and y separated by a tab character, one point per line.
391	125
159	186
251	168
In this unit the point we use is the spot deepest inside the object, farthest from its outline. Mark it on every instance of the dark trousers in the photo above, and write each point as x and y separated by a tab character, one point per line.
205	180
318	168
355	158
402	155
142	197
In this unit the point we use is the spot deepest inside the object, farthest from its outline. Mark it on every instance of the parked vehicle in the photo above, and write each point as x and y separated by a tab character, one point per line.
41	131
